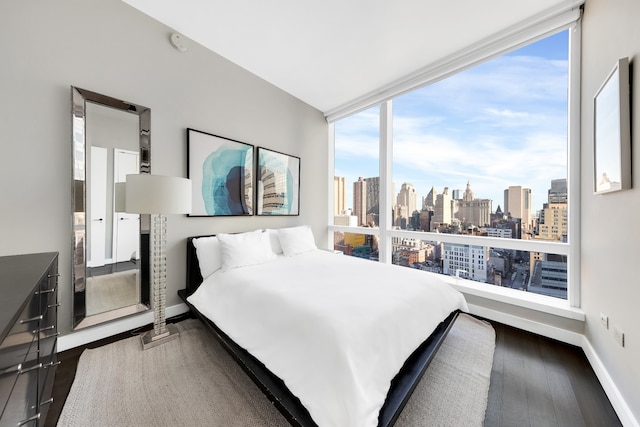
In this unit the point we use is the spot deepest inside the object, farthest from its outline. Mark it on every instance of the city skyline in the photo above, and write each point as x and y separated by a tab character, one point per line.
499	124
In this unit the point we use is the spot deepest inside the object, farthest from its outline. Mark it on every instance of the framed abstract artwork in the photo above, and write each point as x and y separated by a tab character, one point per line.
277	183
612	132
221	170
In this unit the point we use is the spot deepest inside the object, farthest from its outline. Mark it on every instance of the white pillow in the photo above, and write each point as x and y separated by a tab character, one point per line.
275	241
244	249
209	255
296	240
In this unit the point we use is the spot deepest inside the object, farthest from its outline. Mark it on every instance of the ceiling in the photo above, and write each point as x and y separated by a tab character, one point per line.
330	53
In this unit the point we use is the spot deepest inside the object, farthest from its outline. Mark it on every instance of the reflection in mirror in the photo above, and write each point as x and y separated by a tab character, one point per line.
111	139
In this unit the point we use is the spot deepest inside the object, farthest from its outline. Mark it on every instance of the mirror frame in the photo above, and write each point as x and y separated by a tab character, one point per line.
79	99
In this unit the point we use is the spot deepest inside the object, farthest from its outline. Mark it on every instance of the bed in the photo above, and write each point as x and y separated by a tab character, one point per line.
330	339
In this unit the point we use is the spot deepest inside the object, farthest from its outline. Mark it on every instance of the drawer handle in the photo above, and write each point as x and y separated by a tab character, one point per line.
28	420
46	402
48	328
54	305
46	291
34	367
50	336
49	276
33	319
52	364
11	369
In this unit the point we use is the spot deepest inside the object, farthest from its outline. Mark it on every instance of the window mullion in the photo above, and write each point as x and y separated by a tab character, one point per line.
331	164
386	176
573	267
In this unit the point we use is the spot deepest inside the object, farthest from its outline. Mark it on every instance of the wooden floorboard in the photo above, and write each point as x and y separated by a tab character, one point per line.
535	381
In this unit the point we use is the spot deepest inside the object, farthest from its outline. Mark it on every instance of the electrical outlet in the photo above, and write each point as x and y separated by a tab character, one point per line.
604	319
618	335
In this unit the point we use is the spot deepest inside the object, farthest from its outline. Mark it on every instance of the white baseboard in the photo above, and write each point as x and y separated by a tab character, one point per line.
545	330
613	393
98	332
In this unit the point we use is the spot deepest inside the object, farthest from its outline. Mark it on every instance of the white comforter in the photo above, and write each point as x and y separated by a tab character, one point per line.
334	328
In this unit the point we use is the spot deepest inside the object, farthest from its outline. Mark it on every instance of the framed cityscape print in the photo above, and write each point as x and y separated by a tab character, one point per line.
221	170
612	132
277	183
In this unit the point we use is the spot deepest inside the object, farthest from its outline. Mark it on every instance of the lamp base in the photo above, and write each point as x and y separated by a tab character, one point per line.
150	339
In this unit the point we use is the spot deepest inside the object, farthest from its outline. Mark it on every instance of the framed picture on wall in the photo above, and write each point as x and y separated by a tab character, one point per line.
222	173
277	183
612	132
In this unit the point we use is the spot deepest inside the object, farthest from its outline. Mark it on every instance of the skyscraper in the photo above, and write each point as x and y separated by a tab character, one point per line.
408	197
373	195
517	202
472	211
553	221
558	191
429	202
360	201
442	213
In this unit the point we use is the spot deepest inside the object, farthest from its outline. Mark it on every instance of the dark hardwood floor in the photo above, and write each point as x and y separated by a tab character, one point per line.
535	381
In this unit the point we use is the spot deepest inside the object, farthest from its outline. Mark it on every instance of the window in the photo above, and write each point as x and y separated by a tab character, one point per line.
480	172
356	182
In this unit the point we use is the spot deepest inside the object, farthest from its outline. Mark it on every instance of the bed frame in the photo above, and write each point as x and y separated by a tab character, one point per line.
277	392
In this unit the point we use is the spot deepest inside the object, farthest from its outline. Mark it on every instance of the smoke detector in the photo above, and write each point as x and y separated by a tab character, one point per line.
179	42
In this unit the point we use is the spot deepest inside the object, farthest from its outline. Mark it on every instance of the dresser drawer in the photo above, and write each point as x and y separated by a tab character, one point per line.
28	319
9	373
18	348
22	403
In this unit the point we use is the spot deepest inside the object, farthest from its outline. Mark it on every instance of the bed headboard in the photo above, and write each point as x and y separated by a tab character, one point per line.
194	278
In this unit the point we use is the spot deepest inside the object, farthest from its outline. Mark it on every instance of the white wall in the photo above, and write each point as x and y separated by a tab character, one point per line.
111	48
610	237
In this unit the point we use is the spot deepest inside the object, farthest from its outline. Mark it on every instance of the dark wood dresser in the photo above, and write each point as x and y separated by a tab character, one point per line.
28	339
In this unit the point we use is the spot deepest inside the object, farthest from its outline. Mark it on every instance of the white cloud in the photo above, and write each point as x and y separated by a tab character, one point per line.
498	124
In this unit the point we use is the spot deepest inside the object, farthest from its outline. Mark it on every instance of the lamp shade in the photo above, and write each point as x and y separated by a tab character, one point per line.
157	194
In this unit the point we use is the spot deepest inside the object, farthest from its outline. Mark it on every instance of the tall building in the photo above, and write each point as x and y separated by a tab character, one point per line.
360	201
442	211
472	211
517	202
373	195
558	191
339	195
429	202
408	197
553	223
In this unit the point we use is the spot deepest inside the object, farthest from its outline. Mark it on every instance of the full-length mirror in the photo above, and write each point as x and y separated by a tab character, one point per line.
111	138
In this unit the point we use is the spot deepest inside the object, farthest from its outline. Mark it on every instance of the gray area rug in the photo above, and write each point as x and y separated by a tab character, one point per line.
111	291
192	381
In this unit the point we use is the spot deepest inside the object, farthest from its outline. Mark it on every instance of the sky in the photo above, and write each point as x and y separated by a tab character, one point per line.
498	124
